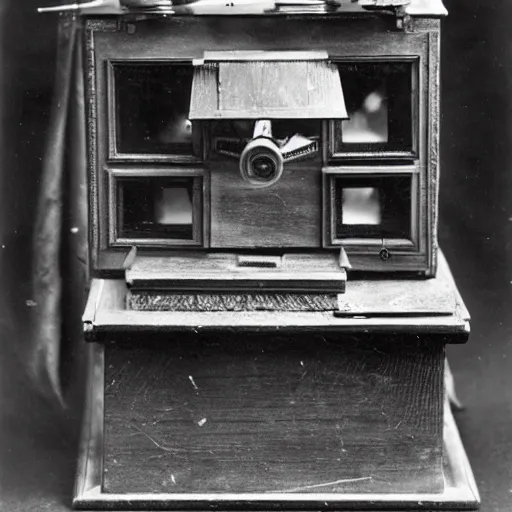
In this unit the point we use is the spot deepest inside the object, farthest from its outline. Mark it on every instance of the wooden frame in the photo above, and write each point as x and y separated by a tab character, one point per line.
200	206
363	150
371	245
110	40
114	154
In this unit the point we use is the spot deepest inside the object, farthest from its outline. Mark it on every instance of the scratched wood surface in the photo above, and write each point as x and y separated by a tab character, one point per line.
289	214
267	414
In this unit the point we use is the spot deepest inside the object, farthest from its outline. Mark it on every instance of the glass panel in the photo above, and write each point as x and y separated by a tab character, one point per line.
152	103
378	97
156	208
373	207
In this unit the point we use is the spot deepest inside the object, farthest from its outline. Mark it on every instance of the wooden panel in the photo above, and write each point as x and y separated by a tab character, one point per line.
460	492
267	414
288	214
226	272
339	37
402	298
267	89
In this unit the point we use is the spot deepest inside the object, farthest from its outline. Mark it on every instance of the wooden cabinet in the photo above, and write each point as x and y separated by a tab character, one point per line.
242	166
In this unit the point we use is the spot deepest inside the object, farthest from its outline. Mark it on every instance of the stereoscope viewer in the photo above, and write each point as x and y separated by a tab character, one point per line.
269	307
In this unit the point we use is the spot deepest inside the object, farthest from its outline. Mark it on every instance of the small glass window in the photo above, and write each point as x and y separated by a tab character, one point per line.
156	208
152	108
372	207
379	99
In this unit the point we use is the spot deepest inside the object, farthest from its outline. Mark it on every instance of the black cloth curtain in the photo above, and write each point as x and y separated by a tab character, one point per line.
60	241
44	196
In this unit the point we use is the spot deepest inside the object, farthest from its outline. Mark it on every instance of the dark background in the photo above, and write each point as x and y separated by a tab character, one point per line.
39	440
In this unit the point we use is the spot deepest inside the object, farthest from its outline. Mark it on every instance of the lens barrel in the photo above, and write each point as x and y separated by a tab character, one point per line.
261	162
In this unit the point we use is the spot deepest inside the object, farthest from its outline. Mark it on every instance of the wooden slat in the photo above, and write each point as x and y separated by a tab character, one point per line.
222	272
117	322
403	297
261	55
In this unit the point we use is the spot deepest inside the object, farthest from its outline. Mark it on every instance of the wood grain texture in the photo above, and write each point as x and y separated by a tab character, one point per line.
267	414
404	297
165	301
289	214
459	492
433	143
267	89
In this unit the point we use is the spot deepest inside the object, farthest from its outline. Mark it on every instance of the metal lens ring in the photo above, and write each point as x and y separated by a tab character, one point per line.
261	162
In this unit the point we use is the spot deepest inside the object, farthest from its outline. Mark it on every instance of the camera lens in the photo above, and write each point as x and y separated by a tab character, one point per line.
263	167
261	163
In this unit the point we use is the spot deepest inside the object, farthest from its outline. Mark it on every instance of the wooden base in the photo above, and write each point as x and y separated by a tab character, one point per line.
459	487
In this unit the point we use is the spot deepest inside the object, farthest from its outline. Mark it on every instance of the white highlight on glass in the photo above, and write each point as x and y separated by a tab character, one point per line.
361	206
173	206
368	124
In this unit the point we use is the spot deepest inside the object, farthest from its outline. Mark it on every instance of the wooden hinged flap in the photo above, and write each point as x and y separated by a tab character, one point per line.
266	85
203	272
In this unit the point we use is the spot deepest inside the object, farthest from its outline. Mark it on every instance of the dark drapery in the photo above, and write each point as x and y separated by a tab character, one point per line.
43	207
59	244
